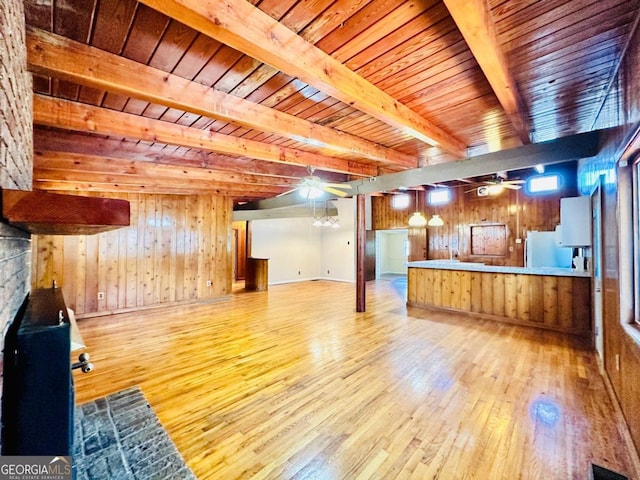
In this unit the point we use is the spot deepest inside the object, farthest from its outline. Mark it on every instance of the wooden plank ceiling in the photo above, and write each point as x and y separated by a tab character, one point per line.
241	98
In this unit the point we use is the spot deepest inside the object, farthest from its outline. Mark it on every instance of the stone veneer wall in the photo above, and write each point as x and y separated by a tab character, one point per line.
16	155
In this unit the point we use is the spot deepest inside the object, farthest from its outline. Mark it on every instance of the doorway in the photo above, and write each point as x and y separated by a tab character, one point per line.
391	253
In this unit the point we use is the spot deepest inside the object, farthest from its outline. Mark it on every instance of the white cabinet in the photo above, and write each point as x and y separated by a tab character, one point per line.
575	219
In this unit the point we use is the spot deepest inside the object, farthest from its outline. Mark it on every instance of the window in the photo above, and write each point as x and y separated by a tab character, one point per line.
543	184
400	202
439	196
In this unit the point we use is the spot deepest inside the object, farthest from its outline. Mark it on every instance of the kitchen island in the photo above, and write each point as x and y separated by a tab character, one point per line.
550	298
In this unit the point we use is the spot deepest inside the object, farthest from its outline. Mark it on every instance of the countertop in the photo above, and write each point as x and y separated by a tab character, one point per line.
481	267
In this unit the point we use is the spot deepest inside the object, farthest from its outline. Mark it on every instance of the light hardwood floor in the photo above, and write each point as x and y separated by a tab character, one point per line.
293	384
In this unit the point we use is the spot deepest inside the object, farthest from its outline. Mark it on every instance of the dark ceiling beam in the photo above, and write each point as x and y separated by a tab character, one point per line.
575	147
304	211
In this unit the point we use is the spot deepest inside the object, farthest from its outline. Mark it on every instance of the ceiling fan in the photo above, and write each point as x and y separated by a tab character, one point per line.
496	184
312	186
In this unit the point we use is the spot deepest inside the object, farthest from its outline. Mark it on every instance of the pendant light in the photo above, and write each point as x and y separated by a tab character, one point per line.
417	219
435	221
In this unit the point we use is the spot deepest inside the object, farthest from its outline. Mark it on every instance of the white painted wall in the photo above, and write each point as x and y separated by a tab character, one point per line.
292	245
299	251
338	244
391	251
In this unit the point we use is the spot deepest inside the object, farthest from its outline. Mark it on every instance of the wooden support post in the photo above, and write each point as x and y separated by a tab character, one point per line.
361	251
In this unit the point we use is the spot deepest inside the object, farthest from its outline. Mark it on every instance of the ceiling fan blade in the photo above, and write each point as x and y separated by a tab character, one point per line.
338	185
288	192
511	186
334	191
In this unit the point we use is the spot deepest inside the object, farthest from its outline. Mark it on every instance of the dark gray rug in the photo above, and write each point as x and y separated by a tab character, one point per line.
120	437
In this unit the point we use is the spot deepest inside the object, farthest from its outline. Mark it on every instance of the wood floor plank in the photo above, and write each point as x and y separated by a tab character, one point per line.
292	383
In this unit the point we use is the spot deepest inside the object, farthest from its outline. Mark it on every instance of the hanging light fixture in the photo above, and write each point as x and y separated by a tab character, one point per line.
435	221
326	220
417	219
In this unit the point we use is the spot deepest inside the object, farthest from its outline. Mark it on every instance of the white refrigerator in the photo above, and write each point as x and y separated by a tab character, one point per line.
542	250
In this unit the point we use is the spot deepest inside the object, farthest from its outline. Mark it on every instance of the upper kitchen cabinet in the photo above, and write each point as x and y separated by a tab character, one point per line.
575	219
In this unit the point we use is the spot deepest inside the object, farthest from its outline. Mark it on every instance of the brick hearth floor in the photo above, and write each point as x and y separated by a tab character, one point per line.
119	436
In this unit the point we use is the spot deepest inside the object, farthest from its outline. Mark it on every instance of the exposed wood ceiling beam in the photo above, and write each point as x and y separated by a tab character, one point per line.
64	165
151	184
102	187
474	21
584	145
128	184
45	139
68	115
52	55
249	30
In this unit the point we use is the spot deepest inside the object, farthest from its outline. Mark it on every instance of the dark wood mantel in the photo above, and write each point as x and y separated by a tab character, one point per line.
44	213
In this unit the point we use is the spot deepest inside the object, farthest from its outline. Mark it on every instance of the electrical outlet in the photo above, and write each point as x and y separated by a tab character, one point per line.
209	283
100	295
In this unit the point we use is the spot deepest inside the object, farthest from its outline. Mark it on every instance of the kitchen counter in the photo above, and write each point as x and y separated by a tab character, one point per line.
549	298
481	267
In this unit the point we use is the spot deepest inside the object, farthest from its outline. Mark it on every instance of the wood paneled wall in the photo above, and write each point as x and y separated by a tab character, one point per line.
174	246
621	350
516	210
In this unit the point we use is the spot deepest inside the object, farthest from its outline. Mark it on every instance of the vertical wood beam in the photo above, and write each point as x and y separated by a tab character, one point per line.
361	251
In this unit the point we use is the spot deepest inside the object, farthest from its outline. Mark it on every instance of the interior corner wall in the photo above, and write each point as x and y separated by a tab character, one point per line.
292	245
298	251
16	154
338	251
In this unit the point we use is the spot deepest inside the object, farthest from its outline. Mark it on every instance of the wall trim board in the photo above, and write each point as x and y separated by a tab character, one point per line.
85	316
